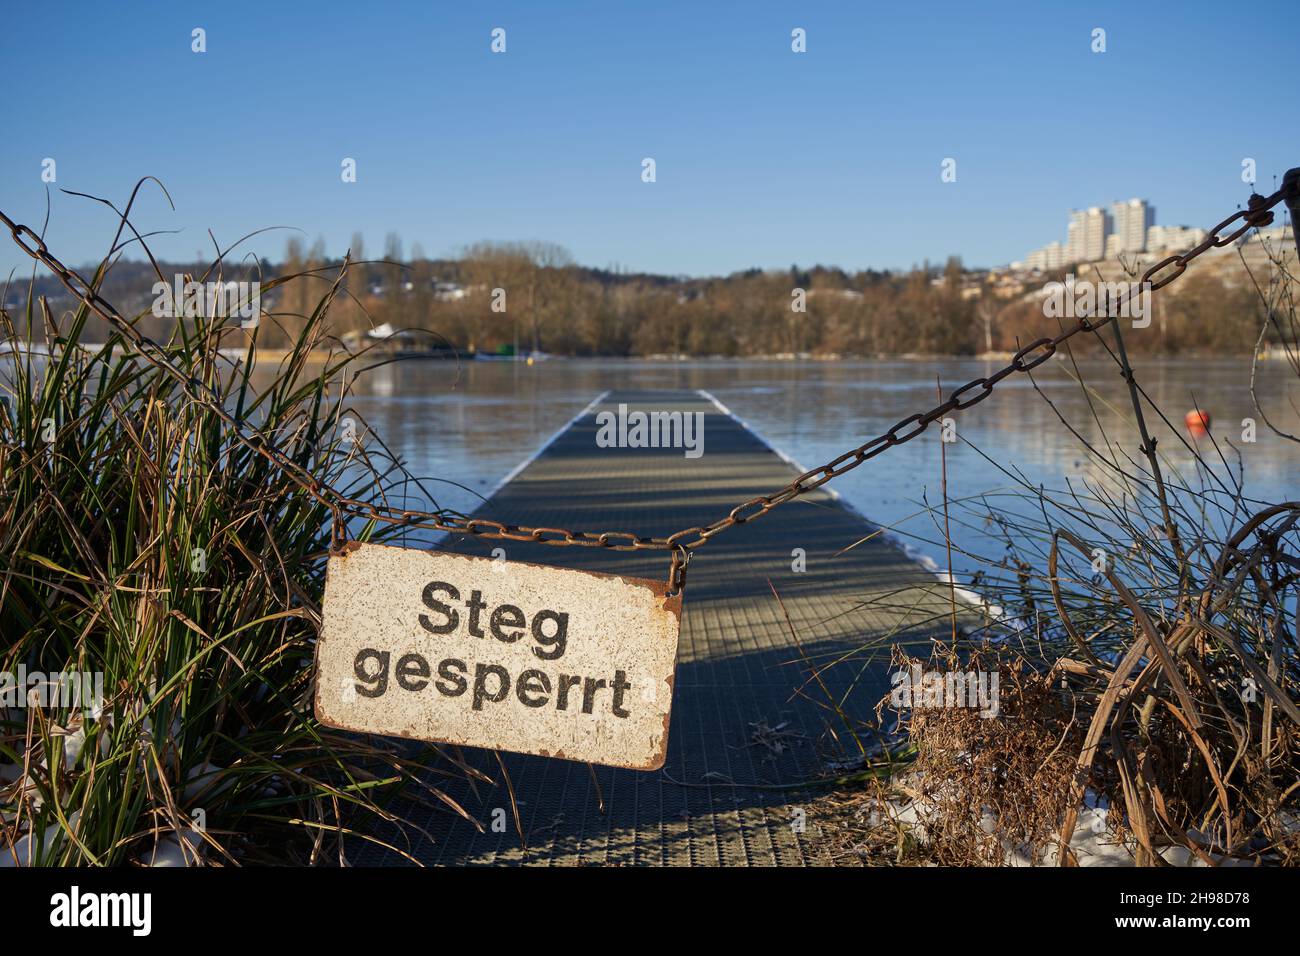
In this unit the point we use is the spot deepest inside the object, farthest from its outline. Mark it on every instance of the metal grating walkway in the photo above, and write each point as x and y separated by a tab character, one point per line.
741	733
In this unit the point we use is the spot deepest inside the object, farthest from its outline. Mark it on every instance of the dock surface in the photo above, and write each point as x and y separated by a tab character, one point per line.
750	724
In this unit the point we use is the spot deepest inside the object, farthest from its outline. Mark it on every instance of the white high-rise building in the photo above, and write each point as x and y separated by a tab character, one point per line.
1096	234
1087	234
1074	238
1046	259
1132	219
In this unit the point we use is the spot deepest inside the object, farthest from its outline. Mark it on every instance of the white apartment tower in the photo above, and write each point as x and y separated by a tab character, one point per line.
1046	259
1087	234
1132	219
1096	234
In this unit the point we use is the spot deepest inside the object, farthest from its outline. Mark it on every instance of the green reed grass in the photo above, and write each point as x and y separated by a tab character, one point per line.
139	540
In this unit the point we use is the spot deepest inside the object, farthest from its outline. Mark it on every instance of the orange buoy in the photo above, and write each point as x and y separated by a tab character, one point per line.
1197	421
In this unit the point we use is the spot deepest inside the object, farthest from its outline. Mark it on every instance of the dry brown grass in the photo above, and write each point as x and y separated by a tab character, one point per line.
1164	680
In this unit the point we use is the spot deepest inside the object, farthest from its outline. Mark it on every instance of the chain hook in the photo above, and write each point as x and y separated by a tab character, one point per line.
338	529
681	557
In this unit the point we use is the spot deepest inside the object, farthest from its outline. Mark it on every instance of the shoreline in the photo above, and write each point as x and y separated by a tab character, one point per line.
322	355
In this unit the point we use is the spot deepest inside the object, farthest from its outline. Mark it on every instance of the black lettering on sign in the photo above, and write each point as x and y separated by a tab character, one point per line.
375	679
566	682
492	683
412	665
475	604
619	686
589	693
507	615
481	672
555	641
450	683
433	604
533	682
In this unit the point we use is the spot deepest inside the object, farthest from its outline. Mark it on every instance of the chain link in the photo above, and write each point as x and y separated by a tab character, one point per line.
681	544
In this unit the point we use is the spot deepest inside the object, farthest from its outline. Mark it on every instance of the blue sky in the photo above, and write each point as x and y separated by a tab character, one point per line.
764	157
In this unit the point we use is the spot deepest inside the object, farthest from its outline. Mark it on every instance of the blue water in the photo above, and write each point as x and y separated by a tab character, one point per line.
469	426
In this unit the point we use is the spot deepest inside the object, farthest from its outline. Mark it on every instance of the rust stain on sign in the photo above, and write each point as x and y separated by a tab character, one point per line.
507	655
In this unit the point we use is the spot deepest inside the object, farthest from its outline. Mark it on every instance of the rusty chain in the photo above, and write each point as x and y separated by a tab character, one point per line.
681	544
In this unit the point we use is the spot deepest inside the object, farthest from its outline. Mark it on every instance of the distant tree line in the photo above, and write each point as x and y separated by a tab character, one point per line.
531	296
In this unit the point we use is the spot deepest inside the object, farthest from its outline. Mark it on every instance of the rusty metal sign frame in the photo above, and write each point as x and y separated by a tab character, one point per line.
330	659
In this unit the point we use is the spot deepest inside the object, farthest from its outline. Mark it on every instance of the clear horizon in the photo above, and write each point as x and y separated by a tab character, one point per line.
765	158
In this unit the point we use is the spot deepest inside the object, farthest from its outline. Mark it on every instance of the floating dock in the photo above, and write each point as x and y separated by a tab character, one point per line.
751	725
